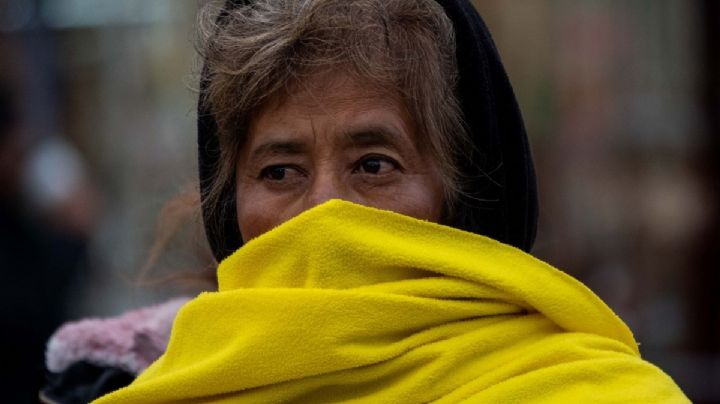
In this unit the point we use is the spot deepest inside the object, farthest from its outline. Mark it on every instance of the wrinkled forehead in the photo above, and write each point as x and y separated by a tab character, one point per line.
334	89
324	89
334	105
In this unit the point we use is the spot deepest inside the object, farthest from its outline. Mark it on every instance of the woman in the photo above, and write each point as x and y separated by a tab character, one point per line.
357	159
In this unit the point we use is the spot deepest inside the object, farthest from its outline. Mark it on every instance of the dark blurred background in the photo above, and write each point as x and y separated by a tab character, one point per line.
621	100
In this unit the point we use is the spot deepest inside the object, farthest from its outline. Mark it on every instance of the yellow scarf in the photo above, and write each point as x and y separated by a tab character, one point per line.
348	303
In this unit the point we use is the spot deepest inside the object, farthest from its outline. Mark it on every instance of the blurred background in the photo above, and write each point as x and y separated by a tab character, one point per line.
97	134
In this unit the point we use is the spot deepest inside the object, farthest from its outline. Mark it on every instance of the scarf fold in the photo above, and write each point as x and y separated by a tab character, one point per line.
349	303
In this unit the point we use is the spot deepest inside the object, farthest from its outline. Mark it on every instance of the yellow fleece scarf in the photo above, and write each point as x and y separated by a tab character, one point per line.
346	303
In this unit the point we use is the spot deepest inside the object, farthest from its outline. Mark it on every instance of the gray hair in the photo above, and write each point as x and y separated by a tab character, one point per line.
260	53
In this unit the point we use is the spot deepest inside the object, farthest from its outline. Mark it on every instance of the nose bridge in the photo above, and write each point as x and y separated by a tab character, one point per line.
326	185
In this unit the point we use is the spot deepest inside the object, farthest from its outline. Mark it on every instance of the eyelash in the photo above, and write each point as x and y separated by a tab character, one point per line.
266	172
358	165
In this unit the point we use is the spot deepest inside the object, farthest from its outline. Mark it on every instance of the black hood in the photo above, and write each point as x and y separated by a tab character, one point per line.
500	198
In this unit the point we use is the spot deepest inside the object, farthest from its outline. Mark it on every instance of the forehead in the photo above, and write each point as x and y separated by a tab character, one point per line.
326	103
322	90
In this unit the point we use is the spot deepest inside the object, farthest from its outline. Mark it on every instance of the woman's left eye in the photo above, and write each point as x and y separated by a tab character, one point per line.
376	165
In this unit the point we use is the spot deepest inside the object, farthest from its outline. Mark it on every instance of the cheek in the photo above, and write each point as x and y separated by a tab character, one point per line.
427	204
420	197
257	212
252	220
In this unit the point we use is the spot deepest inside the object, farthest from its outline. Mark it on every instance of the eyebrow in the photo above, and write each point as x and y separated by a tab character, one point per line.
374	136
365	136
275	148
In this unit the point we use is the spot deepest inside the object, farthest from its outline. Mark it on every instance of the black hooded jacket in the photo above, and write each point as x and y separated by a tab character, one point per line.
500	194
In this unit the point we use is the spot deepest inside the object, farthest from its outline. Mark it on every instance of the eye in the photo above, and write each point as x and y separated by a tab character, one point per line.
279	173
376	165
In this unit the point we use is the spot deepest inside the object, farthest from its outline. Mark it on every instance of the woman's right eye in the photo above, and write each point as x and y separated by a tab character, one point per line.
279	173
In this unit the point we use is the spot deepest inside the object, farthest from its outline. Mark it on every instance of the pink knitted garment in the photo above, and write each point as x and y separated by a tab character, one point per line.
130	342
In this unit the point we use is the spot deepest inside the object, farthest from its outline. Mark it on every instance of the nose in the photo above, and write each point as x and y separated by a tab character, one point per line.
326	186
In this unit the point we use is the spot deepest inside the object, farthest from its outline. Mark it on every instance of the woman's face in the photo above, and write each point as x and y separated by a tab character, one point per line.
333	140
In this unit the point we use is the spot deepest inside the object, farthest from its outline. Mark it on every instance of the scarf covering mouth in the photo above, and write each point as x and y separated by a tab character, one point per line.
346	303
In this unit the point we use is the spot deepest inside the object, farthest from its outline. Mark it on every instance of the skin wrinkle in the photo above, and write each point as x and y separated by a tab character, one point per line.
321	140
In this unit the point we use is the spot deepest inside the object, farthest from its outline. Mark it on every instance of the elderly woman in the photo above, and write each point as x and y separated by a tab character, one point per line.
367	185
